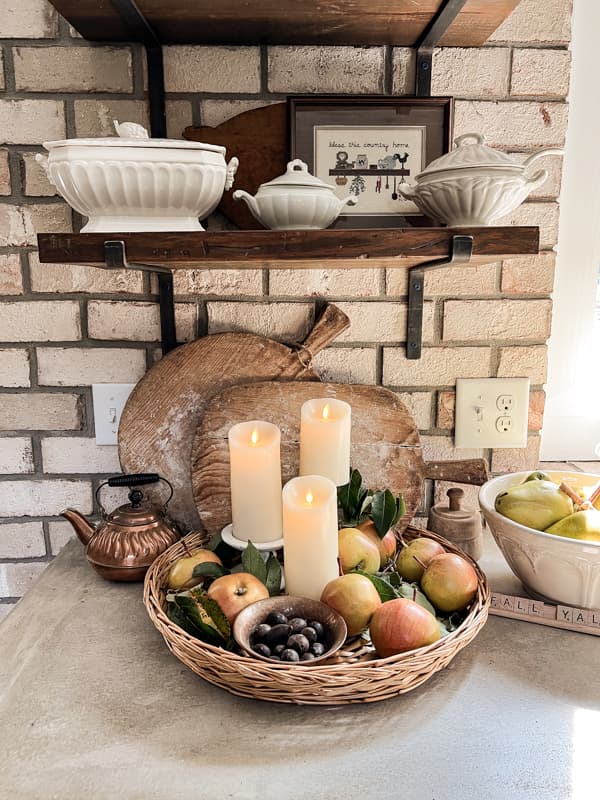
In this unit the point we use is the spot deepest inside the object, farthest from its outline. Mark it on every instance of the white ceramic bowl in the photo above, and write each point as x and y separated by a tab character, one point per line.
472	196
127	184
551	567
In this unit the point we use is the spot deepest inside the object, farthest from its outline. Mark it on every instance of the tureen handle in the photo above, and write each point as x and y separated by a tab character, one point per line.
42	160
550	151
130	130
231	170
537	179
460	140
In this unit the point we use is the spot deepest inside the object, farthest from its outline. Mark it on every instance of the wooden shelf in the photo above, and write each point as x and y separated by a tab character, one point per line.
400	247
349	22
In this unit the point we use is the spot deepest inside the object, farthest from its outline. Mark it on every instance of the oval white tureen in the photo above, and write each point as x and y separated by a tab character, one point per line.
295	200
474	184
134	183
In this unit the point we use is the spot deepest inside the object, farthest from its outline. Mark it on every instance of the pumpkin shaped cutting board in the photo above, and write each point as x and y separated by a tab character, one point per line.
385	443
162	413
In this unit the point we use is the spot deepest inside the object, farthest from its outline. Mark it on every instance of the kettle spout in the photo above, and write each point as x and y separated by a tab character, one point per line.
83	529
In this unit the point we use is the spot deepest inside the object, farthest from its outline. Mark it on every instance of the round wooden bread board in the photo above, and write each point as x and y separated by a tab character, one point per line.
385	441
162	413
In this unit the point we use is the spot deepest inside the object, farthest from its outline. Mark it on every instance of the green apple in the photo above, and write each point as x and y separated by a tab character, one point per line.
357	551
450	582
180	574
355	599
423	549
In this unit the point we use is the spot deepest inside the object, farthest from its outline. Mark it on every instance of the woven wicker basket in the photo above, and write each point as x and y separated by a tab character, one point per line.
352	675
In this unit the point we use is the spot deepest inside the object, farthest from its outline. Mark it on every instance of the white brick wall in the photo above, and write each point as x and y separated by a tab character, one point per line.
64	327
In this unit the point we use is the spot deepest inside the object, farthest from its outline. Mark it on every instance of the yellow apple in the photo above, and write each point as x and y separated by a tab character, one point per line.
357	551
354	598
180	574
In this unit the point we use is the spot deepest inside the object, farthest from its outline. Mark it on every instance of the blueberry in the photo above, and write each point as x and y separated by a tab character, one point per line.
318	626
310	634
278	634
317	649
262	649
290	655
297	624
299	643
307	657
276	618
261	631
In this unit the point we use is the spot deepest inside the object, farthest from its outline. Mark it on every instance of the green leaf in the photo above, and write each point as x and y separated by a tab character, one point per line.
204	631
208	569
383	510
177	615
412	592
394	580
273	579
214	611
354	492
253	563
384	590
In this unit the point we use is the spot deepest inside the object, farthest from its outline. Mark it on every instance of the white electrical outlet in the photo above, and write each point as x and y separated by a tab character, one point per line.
109	400
491	412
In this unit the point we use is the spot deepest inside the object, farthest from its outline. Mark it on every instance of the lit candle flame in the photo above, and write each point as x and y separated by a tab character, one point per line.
309	498
254	437
325	411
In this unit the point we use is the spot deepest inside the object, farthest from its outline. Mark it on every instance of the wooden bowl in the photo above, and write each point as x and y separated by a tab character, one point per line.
251	616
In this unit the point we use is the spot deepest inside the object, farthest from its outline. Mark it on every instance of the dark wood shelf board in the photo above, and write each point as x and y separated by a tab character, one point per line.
347	22
403	248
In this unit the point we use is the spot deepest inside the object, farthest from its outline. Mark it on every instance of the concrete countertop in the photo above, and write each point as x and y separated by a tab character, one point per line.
94	705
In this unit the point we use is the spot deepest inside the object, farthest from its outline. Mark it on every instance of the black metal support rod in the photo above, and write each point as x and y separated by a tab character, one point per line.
142	31
430	37
461	250
116	258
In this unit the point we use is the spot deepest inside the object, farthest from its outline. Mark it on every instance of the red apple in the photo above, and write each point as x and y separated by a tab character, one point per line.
450	582
357	551
385	545
401	625
422	548
236	591
355	598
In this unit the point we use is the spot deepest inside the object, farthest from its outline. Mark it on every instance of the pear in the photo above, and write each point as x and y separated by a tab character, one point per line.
583	525
537	476
536	504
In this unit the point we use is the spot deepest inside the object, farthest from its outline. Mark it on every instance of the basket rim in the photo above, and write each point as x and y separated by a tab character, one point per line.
475	618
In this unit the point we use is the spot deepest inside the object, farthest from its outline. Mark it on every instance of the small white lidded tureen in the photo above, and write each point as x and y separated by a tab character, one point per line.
133	183
474	184
295	200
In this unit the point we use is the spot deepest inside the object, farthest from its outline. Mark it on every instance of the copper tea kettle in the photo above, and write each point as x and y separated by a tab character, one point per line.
124	543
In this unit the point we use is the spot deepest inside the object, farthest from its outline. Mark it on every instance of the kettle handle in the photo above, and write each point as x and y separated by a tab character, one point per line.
139	479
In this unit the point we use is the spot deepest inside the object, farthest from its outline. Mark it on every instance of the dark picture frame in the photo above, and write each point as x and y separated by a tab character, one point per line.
350	142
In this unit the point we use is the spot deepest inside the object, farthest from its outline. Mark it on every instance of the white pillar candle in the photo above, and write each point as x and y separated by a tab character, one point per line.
325	439
254	452
310	535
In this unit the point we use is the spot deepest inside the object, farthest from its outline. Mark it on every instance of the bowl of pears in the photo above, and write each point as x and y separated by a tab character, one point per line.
547	525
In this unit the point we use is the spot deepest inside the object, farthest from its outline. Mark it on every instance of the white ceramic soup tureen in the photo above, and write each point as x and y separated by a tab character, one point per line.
474	184
295	200
134	183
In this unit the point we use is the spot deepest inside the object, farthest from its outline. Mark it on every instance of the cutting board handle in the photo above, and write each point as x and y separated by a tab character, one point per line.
330	324
468	470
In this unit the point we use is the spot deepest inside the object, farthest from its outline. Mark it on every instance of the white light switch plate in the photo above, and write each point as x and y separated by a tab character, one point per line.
109	400
491	412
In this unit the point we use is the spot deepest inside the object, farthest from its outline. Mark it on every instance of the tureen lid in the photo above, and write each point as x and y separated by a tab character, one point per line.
297	174
470	151
130	134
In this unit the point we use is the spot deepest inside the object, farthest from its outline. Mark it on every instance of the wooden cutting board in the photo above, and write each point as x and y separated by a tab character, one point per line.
385	443
259	139
162	413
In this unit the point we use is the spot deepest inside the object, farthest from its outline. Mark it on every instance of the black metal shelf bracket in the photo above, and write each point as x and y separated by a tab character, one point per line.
115	258
461	251
142	31
432	34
